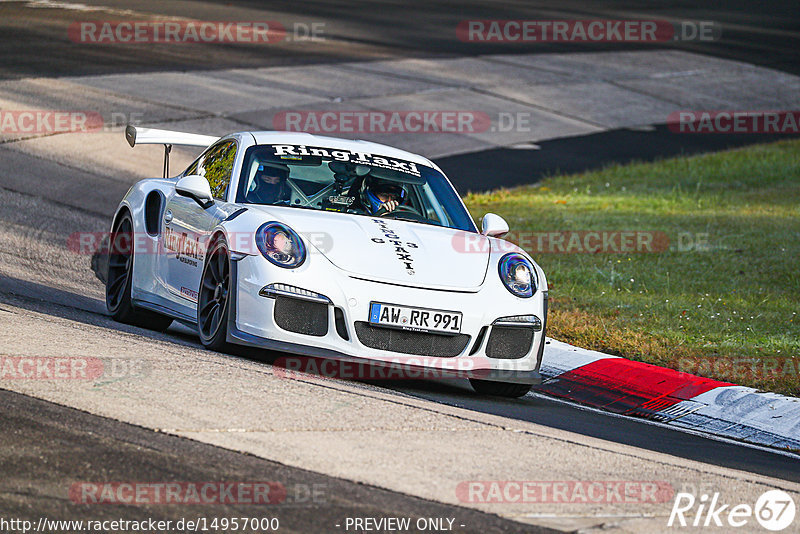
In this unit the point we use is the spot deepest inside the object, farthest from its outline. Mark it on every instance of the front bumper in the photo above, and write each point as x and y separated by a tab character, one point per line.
347	302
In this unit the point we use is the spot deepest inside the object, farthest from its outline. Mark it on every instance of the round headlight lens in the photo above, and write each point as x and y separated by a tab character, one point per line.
518	275
280	245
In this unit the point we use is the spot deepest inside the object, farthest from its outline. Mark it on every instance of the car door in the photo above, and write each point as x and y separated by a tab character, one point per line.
187	225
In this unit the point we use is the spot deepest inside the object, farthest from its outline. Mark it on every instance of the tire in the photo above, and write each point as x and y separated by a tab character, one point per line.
119	279
499	389
213	301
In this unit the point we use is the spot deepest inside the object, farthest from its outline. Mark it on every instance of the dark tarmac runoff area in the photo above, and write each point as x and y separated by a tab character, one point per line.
523	166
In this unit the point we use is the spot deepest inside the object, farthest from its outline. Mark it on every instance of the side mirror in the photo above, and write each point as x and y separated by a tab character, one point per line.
494	225
195	187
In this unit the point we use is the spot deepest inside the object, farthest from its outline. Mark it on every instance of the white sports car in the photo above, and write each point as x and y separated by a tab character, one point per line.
339	249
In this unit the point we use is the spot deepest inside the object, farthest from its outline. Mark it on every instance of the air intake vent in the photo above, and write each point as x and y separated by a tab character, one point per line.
301	316
341	325
407	342
509	342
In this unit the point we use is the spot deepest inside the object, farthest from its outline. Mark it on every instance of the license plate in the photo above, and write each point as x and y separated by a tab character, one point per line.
416	319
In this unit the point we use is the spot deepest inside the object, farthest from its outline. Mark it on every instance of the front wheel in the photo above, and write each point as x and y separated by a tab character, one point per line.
120	277
213	301
499	389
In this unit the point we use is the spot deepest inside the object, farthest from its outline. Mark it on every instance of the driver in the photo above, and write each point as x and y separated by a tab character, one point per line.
377	194
270	186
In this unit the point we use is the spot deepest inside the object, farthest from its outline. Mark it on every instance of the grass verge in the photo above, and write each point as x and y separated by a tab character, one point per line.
707	279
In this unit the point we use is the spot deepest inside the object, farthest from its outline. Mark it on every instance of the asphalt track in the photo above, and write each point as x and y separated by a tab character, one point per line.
50	443
34	41
94	448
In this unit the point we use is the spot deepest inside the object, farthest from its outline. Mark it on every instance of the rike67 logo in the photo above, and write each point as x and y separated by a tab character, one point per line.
774	510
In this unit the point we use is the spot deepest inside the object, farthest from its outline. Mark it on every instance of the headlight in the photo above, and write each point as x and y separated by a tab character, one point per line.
280	245
518	275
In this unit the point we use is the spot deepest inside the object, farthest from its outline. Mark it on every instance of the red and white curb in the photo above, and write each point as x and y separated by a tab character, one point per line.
679	399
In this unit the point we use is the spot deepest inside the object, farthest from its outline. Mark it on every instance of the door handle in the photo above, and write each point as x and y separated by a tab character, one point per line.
168	217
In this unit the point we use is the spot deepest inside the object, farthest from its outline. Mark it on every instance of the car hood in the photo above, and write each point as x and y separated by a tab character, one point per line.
394	251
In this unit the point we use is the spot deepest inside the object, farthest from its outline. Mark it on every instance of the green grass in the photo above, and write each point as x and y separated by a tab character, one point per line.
727	309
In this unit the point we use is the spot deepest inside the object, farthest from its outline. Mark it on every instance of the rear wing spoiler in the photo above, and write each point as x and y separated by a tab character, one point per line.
151	136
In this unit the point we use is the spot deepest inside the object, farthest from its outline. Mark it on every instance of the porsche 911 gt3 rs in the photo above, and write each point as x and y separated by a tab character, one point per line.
287	241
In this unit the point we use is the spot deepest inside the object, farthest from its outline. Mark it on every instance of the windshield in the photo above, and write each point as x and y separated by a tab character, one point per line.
360	183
